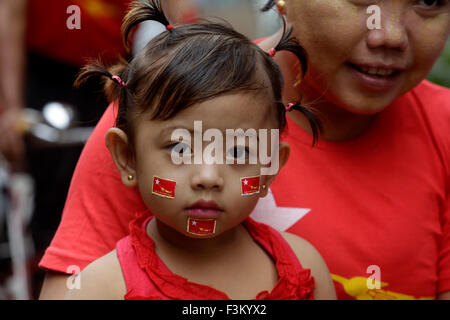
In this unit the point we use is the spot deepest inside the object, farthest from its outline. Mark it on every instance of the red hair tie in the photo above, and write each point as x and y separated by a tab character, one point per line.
118	81
272	52
169	27
289	107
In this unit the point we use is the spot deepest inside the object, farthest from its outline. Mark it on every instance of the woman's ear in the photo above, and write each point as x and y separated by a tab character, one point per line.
283	156
118	145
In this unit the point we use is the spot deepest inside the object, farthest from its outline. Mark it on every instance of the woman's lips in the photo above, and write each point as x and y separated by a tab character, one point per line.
204	209
385	80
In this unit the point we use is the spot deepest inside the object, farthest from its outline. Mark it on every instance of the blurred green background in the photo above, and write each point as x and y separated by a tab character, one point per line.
440	73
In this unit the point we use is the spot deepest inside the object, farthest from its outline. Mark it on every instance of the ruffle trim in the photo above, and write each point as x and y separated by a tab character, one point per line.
294	283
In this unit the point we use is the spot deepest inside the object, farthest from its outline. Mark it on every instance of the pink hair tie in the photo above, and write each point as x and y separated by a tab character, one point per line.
272	52
289	107
169	27
118	81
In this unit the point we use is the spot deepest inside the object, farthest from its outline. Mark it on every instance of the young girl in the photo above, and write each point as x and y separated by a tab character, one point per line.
196	240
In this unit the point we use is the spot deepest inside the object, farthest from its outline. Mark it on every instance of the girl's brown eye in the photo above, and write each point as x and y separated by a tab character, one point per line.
238	152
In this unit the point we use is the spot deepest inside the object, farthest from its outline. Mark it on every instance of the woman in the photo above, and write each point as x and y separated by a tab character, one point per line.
372	197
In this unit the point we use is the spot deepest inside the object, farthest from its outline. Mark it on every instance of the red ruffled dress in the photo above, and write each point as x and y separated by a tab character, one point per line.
148	278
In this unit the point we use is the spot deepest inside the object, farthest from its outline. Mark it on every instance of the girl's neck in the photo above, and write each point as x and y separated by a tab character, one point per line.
165	236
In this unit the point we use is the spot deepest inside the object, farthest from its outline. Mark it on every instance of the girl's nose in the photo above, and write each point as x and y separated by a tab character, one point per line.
207	177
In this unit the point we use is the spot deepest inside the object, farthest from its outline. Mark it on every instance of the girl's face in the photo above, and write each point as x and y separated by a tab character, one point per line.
363	70
202	190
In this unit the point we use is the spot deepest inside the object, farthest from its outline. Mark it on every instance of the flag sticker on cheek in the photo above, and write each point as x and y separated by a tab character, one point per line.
201	227
249	185
163	187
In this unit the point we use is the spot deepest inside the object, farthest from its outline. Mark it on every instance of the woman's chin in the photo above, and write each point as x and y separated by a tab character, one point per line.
367	106
359	102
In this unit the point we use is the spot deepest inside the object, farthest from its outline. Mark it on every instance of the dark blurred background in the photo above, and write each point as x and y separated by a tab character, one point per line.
36	185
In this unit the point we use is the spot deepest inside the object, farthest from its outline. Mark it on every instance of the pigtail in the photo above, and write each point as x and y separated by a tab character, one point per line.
113	82
291	44
90	70
314	122
142	11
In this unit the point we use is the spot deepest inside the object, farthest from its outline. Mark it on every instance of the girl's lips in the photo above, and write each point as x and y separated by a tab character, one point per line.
374	83
204	209
203	213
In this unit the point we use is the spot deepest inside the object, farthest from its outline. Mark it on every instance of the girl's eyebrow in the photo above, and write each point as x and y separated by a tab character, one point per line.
169	130
244	133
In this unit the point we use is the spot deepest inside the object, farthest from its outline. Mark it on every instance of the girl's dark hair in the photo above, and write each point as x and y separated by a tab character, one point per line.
190	64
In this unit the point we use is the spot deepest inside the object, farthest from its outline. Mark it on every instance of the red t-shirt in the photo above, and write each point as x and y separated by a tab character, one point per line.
148	278
99	33
376	207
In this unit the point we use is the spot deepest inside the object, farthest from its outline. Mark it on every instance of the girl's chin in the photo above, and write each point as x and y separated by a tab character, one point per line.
200	237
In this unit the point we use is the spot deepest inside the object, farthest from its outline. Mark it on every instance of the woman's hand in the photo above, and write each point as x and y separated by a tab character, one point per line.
12	145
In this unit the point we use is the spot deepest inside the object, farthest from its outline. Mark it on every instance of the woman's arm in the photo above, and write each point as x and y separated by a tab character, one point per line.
13	15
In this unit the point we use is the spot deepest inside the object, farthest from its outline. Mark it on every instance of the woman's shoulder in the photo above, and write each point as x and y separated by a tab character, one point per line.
433	98
433	103
432	90
311	259
100	280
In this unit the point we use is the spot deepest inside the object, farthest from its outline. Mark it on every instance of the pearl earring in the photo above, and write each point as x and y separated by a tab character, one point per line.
280	5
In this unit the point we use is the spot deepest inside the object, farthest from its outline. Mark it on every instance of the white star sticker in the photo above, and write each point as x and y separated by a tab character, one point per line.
157	181
279	218
194	223
245	182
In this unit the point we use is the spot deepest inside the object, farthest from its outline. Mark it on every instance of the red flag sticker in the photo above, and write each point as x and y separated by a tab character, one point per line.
164	187
249	185
201	227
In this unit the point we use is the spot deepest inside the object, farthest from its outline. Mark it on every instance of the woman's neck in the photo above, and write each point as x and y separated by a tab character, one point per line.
338	124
